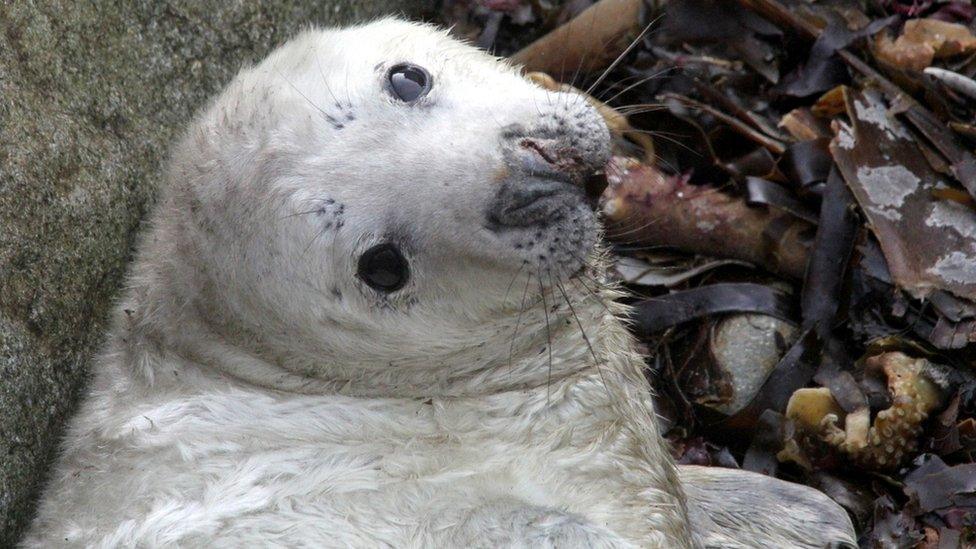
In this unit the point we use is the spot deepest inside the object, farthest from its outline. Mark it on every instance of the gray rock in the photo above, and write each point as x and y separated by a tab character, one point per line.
747	347
91	96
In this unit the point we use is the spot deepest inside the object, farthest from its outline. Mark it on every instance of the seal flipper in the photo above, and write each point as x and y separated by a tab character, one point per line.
737	509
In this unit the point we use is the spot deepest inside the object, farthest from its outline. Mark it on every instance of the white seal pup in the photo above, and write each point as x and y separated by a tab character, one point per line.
366	313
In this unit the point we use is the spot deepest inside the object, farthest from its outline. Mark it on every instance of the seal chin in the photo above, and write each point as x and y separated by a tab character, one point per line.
545	225
532	202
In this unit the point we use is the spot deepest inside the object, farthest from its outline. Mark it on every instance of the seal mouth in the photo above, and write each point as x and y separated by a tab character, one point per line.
545	223
536	200
537	190
543	212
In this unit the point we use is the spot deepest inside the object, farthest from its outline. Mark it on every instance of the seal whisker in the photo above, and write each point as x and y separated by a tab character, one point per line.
535	103
325	82
600	285
588	52
634	106
545	310
623	54
667	138
579	323
512	282
611	87
305	97
639	82
641	110
586	263
518	320
591	292
312	240
638	228
348	98
572	310
296	214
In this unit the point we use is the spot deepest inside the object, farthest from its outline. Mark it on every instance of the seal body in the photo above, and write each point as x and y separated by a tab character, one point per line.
269	381
228	465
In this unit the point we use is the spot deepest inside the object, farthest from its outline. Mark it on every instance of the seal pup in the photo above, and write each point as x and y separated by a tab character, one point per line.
369	311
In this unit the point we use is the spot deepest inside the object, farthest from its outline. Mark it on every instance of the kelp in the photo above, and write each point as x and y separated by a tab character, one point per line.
809	164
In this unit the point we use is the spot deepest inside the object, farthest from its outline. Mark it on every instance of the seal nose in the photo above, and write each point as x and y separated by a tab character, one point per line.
558	156
594	185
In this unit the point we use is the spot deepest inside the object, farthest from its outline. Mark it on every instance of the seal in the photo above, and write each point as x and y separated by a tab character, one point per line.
369	310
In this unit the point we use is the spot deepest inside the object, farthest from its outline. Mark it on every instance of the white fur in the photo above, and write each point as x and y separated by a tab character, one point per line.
255	392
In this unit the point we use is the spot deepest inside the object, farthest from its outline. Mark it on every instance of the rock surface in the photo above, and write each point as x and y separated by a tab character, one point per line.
91	96
747	348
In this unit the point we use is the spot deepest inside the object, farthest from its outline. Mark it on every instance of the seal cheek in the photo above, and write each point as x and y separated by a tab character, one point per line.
328	213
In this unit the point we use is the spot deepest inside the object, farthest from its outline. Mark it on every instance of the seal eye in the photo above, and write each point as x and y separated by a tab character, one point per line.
383	268
408	82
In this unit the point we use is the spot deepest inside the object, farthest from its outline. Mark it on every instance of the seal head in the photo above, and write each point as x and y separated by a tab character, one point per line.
365	199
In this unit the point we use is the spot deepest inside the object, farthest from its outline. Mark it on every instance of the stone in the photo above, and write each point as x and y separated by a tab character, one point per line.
91	97
747	347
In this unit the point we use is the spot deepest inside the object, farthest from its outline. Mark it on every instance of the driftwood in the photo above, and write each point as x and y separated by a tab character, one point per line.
588	43
647	207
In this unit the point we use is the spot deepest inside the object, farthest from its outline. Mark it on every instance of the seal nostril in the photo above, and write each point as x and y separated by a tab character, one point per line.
594	185
540	150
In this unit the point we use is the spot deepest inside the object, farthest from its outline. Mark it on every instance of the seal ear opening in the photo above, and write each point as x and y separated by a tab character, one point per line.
383	268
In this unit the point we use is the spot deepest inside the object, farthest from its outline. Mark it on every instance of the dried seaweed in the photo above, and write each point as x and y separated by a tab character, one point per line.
761	191
810	161
832	247
653	315
937	486
807	163
823	69
925	240
761	455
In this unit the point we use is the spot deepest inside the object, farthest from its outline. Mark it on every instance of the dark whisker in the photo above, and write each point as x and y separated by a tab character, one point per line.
599	285
511	282
518	320
305	97
639	82
579	323
545	310
572	310
318	234
591	292
623	54
325	82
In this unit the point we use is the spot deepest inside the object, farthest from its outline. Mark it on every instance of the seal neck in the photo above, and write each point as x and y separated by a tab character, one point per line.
533	348
556	334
